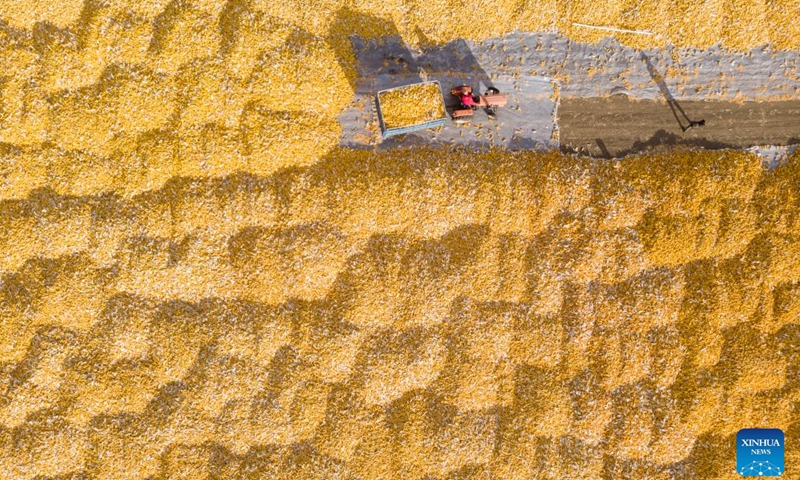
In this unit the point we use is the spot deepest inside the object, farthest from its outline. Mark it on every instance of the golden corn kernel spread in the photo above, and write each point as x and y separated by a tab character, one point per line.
198	282
411	105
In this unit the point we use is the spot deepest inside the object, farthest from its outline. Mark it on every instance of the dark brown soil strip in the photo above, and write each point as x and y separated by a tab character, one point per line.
616	126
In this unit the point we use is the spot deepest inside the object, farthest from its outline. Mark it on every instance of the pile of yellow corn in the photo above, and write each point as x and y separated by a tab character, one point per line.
195	282
400	313
411	105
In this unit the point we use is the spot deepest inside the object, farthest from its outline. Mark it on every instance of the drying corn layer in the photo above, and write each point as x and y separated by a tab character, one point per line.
411	105
195	282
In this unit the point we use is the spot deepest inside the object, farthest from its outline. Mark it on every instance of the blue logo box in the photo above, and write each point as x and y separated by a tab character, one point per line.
759	452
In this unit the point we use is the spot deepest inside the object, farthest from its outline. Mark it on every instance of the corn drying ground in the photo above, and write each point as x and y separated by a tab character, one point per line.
196	283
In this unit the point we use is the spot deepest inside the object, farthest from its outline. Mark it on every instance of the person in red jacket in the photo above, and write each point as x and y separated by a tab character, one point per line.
468	102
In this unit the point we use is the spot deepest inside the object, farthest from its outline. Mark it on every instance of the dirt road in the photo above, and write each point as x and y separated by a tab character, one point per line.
616	126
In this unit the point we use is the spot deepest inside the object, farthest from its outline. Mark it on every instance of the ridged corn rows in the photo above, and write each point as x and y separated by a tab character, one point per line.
734	23
404	314
194	283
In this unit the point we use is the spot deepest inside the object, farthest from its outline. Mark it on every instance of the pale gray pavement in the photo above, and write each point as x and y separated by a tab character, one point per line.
523	65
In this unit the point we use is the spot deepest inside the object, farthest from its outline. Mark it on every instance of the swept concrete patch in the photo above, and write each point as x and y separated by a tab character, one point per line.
525	64
527	122
607	67
773	155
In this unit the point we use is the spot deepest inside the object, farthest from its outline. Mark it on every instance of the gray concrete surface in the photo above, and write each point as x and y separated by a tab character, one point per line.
525	64
596	70
527	122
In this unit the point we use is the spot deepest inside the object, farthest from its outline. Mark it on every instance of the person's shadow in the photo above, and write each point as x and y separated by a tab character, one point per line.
673	104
